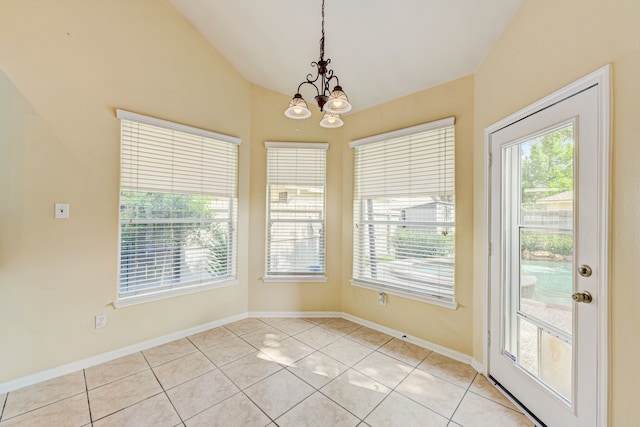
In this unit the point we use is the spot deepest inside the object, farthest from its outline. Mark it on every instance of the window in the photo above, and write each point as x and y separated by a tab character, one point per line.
177	209
295	211
404	212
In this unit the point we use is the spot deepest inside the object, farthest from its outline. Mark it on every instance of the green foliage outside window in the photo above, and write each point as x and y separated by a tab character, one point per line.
557	244
167	233
548	166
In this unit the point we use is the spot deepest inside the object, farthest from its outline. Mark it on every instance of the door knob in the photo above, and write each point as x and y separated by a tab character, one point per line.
584	270
584	297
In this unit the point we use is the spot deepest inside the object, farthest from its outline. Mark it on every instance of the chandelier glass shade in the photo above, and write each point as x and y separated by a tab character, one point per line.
331	120
298	108
332	102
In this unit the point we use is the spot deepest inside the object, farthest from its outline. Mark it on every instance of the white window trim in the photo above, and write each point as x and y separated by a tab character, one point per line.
293	278
379	288
122	302
135	117
313	145
131	300
453	304
402	132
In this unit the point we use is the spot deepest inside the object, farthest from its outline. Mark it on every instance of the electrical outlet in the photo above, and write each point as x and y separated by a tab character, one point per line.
62	211
382	298
101	321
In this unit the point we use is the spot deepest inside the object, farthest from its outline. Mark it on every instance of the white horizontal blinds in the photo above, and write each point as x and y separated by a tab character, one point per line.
407	166
177	206
404	211
296	175
157	159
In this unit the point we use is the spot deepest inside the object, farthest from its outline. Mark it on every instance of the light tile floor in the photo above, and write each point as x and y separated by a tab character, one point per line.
269	372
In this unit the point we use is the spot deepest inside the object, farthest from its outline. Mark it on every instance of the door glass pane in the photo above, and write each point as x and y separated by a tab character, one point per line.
555	363
538	258
528	346
546	277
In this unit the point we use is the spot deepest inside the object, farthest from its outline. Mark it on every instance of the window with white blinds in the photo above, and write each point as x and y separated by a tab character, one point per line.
295	248
404	212
178	201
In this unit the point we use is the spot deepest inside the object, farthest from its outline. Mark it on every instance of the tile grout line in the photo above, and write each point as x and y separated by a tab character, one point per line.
112	381
285	368
361	420
241	390
318	390
394	388
282	368
352	366
198	350
164	391
126	376
286	336
86	390
126	407
467	391
4	403
272	420
39	407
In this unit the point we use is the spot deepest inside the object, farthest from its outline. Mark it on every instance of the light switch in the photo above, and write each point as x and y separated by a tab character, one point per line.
62	210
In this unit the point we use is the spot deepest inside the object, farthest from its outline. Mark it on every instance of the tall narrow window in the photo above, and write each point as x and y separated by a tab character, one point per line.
404	212
177	208
295	211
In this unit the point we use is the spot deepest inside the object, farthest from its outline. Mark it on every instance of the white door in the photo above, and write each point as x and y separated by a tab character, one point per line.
545	264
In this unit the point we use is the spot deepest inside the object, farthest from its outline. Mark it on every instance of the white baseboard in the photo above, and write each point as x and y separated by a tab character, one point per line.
294	314
111	355
479	366
460	357
125	351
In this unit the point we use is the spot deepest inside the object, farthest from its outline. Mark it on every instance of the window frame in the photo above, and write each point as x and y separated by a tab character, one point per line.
154	293
359	239
292	276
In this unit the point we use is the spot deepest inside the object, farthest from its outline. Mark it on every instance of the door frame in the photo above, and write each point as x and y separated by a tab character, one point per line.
601	78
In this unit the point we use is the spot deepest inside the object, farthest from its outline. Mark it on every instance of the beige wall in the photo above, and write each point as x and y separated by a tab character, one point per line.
66	65
442	326
268	123
548	45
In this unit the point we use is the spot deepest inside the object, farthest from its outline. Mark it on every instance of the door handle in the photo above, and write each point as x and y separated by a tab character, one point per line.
585	271
584	297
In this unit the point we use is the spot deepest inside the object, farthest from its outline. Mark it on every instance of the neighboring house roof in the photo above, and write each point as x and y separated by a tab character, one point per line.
566	196
426	205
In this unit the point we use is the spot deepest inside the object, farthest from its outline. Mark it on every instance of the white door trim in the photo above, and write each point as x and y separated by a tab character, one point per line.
601	77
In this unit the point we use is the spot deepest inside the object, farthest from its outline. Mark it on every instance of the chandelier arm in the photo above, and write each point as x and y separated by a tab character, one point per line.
319	68
330	76
310	82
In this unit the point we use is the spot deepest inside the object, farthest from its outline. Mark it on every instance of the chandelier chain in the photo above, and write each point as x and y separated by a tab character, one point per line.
322	38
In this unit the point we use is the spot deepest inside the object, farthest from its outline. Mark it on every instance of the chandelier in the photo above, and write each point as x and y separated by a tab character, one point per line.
331	102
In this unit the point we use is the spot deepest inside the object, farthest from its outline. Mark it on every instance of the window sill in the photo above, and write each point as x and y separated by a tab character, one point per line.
453	305
127	301
289	279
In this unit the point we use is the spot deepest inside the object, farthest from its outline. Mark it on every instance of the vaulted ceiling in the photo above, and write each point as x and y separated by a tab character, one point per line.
379	49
